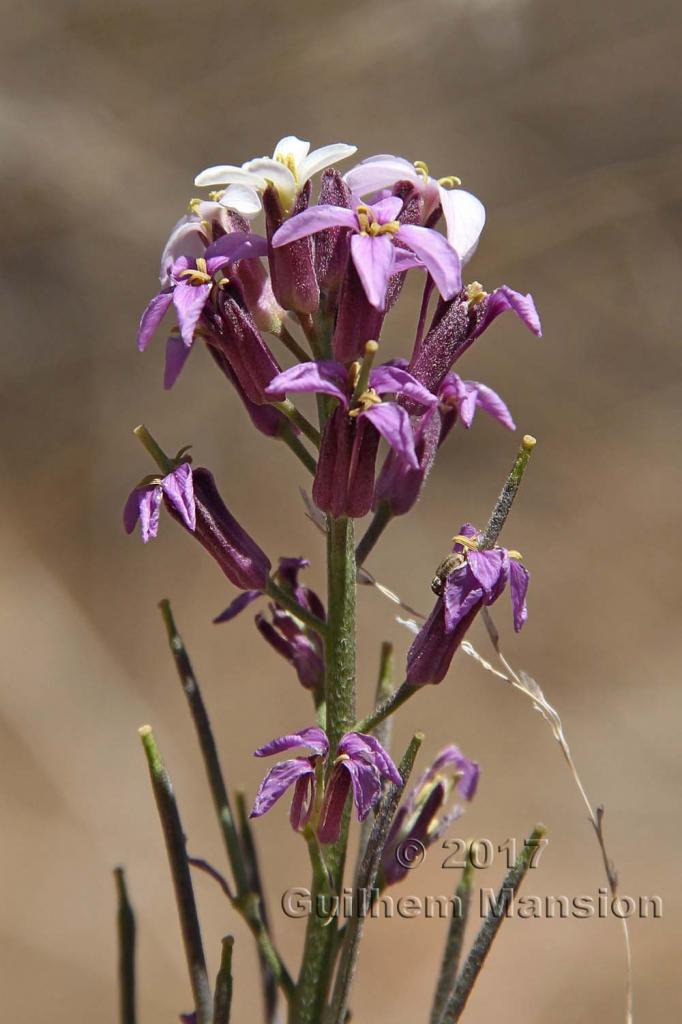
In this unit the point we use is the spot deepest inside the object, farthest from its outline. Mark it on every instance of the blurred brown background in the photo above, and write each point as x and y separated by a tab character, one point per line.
564	119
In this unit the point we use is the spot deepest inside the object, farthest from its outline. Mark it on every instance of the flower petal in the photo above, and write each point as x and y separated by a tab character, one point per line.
387	209
487	567
312	737
323	376
178	488
273	172
388	378
240	602
152	317
185	239
177	354
366	784
227	174
238	245
189	301
504	298
360	743
519	578
315	218
277	781
379	172
302	803
149	505
393	423
490	402
464	220
291	146
242	198
373	258
461	595
440	258
322	158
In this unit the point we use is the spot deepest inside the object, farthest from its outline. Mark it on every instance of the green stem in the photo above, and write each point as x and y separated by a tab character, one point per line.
505	501
209	751
165	464
391	704
182	882
247	900
367	876
288	340
299	449
222	1000
378	524
126	950
320	940
305	426
282	597
490	927
447	978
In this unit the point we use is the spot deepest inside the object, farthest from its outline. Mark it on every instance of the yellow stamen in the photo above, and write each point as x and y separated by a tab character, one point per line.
470	543
198	276
288	161
475	293
341	758
354	373
370	226
422	169
516	556
451	181
365	401
194	205
217	196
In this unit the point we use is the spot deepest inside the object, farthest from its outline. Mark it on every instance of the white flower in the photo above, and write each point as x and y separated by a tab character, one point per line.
287	170
464	213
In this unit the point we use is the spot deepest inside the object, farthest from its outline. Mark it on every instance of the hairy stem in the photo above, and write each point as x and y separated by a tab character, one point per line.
505	501
320	941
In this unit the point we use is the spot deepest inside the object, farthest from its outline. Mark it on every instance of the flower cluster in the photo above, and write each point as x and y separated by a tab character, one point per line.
360	766
300	313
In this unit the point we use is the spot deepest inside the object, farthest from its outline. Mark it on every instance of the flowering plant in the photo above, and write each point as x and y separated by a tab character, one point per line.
317	290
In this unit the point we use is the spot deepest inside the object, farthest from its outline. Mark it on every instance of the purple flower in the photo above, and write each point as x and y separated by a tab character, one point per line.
457	324
297	644
299	772
464	213
144	501
344	481
459	399
374	231
192	284
360	766
244	563
421	817
474	578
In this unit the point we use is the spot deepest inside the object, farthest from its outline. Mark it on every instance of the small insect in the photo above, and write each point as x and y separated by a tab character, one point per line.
446	568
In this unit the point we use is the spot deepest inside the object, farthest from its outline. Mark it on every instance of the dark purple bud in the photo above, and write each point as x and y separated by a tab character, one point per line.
357	322
301	650
242	344
344	481
266	418
434	647
237	554
332	244
292	267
